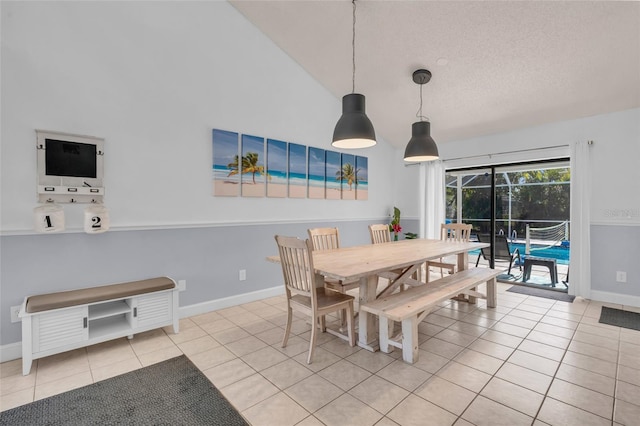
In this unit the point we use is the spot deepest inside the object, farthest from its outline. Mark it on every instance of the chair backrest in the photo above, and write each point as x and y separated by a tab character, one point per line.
324	238
455	232
379	234
297	265
503	251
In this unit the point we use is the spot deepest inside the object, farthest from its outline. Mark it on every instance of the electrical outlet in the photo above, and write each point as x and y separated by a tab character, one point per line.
182	285
242	276
621	276
15	310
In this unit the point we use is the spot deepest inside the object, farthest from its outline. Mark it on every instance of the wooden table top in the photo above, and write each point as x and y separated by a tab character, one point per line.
350	263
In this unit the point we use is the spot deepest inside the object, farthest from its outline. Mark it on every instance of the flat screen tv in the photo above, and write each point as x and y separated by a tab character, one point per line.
70	167
64	158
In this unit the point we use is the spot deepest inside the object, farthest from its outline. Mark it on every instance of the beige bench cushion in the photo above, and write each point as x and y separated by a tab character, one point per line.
63	299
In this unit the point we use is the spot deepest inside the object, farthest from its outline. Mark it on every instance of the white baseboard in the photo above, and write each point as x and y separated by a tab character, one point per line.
214	305
13	351
10	352
620	299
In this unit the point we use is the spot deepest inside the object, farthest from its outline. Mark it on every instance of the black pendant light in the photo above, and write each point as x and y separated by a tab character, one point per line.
354	129
421	147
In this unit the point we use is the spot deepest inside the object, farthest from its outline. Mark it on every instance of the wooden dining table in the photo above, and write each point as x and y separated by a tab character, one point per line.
399	261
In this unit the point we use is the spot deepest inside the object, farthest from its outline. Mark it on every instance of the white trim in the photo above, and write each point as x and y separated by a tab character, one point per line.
617	298
497	158
13	351
10	351
614	223
113	228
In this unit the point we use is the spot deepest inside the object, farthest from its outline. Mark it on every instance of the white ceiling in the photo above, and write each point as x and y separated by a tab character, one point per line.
508	64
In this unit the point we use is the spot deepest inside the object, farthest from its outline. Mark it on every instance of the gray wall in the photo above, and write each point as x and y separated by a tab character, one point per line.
615	248
207	258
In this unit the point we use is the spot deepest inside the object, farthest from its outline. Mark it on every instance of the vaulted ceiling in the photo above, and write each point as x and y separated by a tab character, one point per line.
496	66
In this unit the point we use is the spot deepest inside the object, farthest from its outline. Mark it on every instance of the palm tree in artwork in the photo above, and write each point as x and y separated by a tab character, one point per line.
348	174
234	166
250	165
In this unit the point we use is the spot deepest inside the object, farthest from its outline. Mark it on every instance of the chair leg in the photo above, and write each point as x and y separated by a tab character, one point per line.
314	333
287	329
350	327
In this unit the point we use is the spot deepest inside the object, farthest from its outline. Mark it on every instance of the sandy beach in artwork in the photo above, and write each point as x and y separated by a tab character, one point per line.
297	191
334	194
316	192
348	195
276	190
250	189
223	188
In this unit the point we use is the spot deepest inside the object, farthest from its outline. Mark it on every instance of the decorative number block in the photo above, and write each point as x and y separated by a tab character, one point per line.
48	218
96	219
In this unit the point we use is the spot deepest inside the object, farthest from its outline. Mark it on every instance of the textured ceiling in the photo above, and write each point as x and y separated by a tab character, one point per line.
508	64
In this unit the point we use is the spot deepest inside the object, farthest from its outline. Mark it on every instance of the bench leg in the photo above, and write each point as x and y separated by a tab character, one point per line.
492	293
26	364
384	334
410	340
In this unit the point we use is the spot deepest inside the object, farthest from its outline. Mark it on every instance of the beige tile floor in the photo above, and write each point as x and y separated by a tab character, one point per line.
530	361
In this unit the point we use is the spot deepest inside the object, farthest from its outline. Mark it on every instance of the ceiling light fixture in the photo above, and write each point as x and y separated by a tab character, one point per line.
354	129
421	147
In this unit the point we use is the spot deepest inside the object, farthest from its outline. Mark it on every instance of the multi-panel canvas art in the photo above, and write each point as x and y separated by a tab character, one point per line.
277	176
254	166
362	178
332	167
297	171
316	172
252	169
347	176
226	180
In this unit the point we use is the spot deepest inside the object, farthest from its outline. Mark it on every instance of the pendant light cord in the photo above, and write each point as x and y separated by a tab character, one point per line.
419	113
353	49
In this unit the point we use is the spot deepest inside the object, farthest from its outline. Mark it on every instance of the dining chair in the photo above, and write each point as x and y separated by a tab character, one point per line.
328	239
460	232
302	294
379	233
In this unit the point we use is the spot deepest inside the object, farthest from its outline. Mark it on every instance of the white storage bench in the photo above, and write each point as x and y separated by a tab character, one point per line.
59	322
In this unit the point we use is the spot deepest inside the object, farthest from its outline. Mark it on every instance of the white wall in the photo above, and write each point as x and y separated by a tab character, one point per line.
153	79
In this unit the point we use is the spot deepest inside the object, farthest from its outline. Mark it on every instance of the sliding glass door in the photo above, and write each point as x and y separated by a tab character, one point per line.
529	203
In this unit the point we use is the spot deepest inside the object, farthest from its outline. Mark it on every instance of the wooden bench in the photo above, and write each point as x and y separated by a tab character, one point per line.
410	307
66	320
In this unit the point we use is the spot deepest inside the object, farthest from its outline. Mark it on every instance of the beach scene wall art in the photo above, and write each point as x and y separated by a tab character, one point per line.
255	166
226	180
333	187
297	171
316	172
252	169
277	176
362	178
347	176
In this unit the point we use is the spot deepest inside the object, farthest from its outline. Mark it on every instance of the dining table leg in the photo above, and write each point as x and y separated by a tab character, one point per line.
463	263
367	327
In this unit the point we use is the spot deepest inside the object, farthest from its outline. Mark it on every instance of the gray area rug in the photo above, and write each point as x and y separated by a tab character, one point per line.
620	318
173	392
540	292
